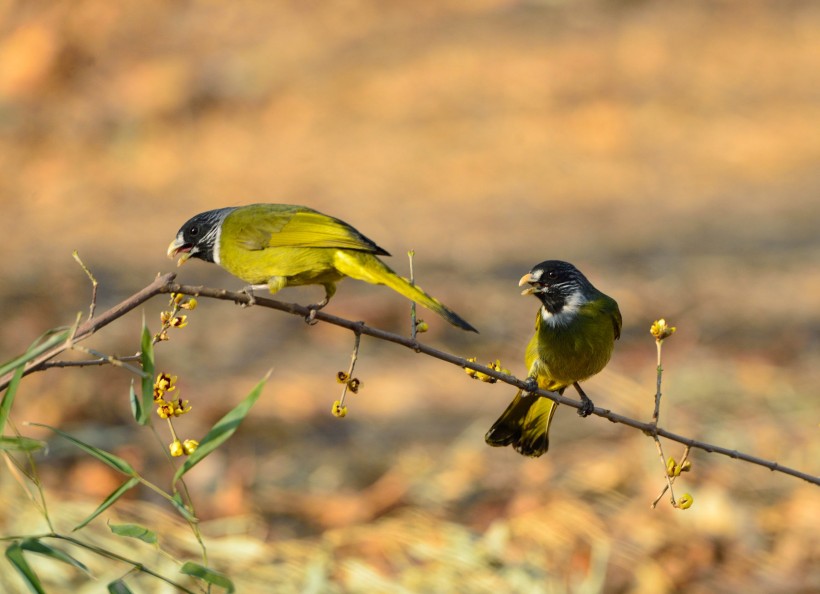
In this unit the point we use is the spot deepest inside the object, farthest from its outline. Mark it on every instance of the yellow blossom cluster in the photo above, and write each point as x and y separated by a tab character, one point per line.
173	318
494	365
169	406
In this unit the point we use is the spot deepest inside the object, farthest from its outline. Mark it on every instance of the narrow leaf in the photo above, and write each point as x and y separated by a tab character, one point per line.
109	501
21	444
177	502
147	359
14	553
134	531
55	337
136	403
209	575
113	461
19	367
37	546
8	396
222	430
119	587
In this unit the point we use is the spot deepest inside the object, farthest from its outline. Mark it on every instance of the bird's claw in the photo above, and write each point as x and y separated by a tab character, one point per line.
531	385
310	319
587	407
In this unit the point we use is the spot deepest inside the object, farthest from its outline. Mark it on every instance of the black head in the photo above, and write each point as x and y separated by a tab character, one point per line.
198	237
557	284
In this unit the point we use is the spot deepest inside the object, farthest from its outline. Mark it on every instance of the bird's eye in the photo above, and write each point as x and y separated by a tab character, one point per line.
552	274
193	230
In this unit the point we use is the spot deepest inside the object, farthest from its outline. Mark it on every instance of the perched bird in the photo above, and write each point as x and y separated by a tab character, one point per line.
575	332
281	245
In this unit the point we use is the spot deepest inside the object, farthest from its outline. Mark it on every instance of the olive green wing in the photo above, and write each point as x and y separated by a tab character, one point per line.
265	226
611	307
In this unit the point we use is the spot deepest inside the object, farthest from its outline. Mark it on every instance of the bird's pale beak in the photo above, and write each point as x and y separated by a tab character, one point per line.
179	247
527	278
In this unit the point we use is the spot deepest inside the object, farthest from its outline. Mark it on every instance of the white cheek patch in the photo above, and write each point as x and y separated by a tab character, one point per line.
567	313
216	234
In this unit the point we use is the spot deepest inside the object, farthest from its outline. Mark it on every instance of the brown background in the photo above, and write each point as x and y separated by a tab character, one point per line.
669	150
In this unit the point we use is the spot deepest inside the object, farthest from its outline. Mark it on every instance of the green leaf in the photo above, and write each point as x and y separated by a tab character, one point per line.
209	575
37	546
147	359
134	531
21	444
19	366
8	396
113	461
186	513
222	430
109	501
119	587
55	337
136	403
14	553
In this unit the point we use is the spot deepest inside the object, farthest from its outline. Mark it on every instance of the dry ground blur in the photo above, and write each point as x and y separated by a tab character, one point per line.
670	150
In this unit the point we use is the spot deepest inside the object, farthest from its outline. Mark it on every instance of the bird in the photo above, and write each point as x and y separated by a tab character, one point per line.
575	332
274	246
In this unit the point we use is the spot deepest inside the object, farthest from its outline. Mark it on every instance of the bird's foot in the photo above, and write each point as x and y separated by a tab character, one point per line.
310	319
248	290
587	406
531	385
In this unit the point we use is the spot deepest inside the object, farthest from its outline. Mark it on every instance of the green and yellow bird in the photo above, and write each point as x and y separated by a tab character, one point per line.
575	332
282	245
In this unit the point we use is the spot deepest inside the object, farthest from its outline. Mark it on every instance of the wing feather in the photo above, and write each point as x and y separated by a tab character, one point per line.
265	226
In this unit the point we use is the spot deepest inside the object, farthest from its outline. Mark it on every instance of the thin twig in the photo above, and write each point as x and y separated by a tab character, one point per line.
102	360
87	329
350	379
111	360
657	412
683	460
93	280
413	328
655	416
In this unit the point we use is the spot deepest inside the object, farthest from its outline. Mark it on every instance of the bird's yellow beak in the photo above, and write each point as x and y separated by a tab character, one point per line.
527	278
176	247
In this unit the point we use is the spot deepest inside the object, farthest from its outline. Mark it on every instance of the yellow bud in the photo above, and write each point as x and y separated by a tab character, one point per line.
342	377
176	298
485	378
421	326
176	448
189	446
661	330
338	410
165	317
470	371
160	337
685	501
189	305
354	385
686	466
670	466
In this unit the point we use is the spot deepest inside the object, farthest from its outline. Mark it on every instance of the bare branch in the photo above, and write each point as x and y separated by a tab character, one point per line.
87	329
165	284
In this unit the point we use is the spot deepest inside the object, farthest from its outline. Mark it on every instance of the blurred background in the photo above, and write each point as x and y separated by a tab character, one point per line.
670	150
